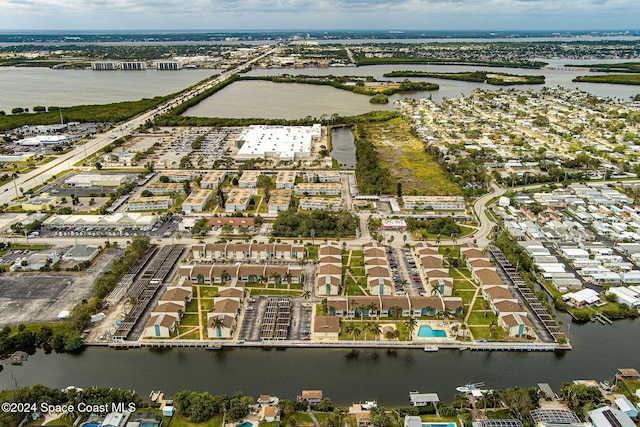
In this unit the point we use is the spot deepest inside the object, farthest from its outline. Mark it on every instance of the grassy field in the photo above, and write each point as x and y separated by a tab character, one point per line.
619	79
409	164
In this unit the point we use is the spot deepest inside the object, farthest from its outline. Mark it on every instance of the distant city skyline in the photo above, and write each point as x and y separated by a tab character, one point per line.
428	15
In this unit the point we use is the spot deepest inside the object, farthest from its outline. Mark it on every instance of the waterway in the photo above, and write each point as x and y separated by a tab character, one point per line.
344	375
342	147
28	87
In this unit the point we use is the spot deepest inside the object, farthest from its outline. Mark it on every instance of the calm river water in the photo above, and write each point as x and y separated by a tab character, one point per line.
345	376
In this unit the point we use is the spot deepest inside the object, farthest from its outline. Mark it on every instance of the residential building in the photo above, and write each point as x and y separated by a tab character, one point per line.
249	179
319	188
238	200
279	200
286	180
155	203
436	203
197	200
213	179
321	203
326	328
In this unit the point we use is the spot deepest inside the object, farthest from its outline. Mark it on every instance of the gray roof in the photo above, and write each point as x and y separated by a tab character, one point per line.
80	251
423	398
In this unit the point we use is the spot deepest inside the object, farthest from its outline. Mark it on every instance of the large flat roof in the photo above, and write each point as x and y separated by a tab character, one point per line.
284	141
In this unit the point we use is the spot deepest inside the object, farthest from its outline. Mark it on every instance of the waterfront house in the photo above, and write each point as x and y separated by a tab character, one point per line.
220	325
607	416
625	405
453	305
425	306
515	325
270	414
326	328
160	326
312	397
627	374
487	277
395	307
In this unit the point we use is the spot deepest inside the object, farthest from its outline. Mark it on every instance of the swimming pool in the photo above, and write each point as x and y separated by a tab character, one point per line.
427	331
91	424
245	424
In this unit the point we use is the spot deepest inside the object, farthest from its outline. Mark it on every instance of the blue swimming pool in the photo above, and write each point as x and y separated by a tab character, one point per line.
91	424
245	424
438	424
427	331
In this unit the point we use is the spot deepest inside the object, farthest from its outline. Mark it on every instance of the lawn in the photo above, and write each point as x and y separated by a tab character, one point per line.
301	419
255	292
178	421
407	160
482	332
352	287
463	284
208	291
479	319
478	306
466	295
193	335
206	304
189	320
192	306
323	417
460	273
35	327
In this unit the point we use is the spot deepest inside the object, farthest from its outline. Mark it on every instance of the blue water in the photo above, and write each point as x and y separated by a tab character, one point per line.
91	424
427	331
438	425
245	424
149	423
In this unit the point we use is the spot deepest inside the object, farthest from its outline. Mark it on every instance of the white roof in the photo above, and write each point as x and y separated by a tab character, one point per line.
599	417
624	404
585	295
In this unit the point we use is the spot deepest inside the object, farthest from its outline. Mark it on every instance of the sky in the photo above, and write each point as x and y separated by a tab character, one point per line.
432	15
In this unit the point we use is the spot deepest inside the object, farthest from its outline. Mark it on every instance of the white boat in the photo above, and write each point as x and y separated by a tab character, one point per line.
469	388
431	348
369	404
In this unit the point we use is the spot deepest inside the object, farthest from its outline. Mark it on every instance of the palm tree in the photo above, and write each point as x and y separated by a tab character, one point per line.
454	329
356	331
375	329
485	306
275	276
411	323
371	307
365	329
396	311
217	323
262	279
224	276
464	329
287	277
493	327
353	306
306	295
435	289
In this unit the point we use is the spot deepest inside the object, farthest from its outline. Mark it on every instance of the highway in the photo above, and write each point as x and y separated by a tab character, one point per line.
65	162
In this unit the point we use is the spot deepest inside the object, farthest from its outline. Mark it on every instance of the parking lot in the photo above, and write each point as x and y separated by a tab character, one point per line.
403	267
40	297
300	328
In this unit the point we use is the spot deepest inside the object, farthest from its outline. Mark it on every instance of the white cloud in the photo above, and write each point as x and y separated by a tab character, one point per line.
318	14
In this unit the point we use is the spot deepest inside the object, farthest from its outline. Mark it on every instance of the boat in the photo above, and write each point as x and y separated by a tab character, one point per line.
431	348
464	348
214	347
469	388
369	404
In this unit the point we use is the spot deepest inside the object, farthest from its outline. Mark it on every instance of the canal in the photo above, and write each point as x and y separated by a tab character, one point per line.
344	375
342	147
